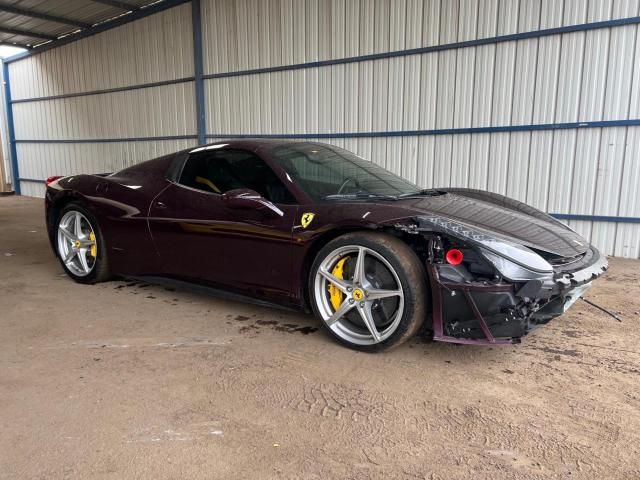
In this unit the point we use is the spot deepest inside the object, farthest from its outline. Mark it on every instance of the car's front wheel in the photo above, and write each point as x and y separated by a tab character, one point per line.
80	245
369	289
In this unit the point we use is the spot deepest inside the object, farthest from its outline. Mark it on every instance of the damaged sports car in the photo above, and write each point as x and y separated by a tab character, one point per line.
314	227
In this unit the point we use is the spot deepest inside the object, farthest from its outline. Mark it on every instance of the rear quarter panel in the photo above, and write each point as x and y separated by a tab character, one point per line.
120	203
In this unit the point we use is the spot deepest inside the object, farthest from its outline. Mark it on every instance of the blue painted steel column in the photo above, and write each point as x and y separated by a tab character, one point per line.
196	22
12	135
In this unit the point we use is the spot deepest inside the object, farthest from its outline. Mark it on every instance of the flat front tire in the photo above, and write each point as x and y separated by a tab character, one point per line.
370	290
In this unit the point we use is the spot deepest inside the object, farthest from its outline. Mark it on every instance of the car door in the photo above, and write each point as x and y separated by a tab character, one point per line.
200	237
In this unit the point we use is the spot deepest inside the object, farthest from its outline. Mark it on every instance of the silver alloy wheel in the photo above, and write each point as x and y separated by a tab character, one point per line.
77	245
360	293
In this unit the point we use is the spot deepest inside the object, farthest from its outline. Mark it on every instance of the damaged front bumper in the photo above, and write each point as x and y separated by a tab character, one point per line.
472	312
517	291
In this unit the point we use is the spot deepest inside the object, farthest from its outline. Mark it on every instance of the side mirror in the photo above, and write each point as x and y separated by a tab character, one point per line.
245	199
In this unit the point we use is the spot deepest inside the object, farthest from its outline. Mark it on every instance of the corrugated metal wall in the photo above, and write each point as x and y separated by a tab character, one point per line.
404	102
158	48
573	77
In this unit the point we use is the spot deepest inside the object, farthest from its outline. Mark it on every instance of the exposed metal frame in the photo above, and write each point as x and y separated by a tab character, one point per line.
136	14
43	16
438	321
29	34
127	7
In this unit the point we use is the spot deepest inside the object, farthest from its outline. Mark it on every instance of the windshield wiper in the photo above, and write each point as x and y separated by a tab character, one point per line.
359	195
427	192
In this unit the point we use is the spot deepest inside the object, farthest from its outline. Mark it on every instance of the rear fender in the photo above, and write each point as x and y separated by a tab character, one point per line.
121	213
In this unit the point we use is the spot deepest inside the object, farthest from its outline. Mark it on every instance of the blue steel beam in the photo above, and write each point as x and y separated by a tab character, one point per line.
395	133
196	22
12	135
139	86
442	131
595	218
111	140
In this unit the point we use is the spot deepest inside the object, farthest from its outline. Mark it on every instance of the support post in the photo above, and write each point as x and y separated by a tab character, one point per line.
196	21
12	136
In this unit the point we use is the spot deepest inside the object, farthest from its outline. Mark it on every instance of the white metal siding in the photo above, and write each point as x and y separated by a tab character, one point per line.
581	76
533	81
43	160
154	49
148	112
247	34
573	77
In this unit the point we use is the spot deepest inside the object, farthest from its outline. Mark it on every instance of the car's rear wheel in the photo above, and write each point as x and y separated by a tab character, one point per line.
80	245
370	290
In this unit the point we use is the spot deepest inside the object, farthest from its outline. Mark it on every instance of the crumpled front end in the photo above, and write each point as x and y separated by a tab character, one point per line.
497	291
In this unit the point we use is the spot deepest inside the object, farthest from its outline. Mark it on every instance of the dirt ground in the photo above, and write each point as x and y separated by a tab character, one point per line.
129	380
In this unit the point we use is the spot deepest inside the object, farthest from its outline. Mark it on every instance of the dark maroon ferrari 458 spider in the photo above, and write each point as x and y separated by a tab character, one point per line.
313	227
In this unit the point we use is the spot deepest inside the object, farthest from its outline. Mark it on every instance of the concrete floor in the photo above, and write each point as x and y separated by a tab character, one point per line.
128	380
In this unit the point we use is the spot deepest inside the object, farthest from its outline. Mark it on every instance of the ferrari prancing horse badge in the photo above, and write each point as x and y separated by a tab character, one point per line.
306	219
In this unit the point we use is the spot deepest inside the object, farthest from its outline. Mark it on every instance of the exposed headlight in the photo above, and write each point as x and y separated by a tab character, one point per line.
518	254
515	262
515	271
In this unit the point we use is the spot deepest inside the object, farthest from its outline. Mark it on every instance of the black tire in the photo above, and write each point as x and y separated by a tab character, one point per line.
410	271
100	271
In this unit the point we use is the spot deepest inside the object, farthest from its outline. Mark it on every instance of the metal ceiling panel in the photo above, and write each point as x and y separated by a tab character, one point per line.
30	22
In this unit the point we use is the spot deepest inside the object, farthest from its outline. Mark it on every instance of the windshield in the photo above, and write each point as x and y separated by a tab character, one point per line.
325	172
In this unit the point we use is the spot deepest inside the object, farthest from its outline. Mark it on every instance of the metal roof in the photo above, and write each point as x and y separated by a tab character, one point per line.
31	23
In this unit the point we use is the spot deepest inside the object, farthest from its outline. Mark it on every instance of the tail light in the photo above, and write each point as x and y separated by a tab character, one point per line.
454	256
52	179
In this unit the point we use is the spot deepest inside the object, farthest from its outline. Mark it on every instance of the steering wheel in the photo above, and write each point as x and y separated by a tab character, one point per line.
346	182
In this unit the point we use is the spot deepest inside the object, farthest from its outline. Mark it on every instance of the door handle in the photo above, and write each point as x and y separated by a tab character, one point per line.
161	205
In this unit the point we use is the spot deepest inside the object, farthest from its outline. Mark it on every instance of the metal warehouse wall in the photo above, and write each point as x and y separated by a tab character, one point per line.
535	99
57	123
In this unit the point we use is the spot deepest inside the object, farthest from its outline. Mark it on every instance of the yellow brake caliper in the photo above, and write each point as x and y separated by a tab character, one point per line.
334	293
94	247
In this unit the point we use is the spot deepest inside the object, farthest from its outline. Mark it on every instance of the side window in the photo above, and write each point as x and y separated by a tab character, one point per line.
218	171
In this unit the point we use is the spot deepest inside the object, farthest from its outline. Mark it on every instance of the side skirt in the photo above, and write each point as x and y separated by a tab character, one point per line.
209	291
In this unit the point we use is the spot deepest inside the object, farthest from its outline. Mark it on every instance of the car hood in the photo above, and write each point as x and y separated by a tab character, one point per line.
500	217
